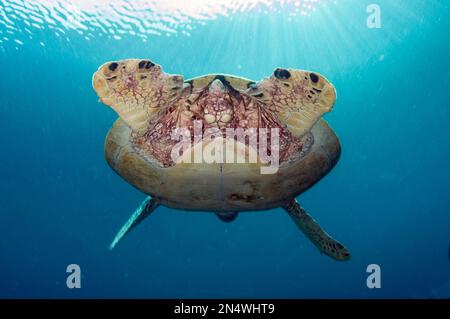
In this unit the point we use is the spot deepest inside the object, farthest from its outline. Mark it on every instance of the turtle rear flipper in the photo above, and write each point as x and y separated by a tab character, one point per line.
315	233
147	207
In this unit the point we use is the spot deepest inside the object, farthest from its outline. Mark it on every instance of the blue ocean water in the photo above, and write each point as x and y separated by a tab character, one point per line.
387	199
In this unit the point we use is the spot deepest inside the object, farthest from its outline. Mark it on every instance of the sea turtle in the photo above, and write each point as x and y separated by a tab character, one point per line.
171	141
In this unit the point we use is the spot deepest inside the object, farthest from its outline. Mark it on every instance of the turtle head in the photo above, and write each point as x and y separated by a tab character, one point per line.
136	90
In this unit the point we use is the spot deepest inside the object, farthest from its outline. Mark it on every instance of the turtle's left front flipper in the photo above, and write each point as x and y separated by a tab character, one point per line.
146	208
298	98
315	233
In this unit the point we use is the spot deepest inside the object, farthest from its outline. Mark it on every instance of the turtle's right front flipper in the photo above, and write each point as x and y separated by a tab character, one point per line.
315	233
146	208
138	90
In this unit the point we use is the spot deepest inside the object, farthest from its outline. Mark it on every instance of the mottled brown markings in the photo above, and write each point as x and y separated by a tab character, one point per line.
239	197
253	113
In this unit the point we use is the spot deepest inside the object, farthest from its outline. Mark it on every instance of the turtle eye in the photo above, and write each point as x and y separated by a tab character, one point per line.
145	64
282	74
252	86
113	66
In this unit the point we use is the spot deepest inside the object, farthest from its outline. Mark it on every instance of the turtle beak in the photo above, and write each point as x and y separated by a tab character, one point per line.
217	87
